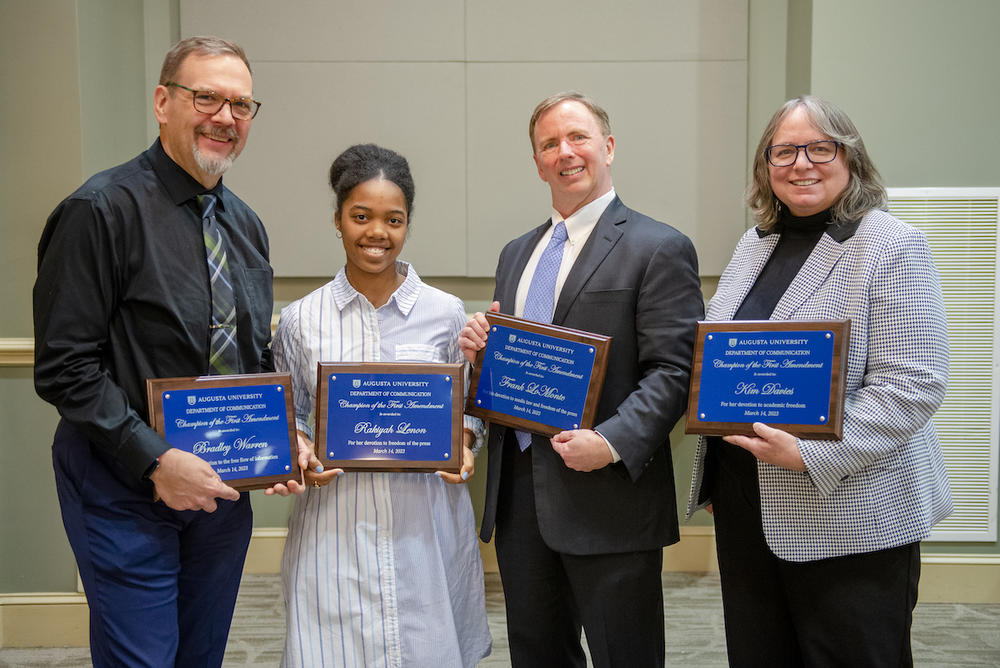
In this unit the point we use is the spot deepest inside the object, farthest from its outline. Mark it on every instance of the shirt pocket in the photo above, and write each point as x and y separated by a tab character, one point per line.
417	352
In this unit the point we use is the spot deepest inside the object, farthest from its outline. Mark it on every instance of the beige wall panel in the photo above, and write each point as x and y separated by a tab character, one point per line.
312	112
114	99
39	139
561	30
679	151
321	30
34	552
919	80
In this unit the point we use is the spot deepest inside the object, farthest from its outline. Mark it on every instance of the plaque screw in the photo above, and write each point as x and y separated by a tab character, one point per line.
576	426
701	416
479	402
447	379
590	350
494	329
446	455
822	418
828	335
166	396
709	337
330	455
332	378
288	468
278	387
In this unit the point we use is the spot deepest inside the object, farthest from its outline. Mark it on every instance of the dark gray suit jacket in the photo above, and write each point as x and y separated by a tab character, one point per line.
636	280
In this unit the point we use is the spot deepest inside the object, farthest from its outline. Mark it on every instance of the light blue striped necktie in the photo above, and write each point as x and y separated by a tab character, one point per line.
223	357
540	301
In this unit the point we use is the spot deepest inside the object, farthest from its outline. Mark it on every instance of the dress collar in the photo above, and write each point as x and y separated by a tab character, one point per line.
404	297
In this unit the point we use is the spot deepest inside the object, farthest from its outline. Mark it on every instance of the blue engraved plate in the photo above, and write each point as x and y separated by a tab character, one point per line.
776	377
241	431
389	416
536	377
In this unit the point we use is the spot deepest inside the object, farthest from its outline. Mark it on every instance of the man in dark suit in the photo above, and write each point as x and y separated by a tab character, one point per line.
581	518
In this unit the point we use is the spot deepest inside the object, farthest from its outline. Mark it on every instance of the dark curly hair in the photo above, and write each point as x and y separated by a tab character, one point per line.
364	162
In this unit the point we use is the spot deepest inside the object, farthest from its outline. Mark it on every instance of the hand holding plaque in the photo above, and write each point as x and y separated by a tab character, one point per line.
538	377
242	425
786	374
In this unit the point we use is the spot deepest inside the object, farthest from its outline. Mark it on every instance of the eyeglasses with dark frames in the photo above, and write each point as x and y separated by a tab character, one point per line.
210	102
818	152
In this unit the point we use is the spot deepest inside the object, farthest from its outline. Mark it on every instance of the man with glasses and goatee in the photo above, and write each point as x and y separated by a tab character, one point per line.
155	269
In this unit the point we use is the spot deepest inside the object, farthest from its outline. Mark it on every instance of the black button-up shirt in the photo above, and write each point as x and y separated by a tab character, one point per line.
123	295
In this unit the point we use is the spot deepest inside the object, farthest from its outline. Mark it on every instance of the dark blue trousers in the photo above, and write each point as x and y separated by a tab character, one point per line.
161	584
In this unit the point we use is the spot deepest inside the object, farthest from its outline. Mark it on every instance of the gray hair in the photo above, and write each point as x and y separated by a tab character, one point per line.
864	190
204	45
600	115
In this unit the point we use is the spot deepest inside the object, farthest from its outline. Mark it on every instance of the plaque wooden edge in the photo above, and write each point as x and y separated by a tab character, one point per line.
155	387
602	345
833	430
454	464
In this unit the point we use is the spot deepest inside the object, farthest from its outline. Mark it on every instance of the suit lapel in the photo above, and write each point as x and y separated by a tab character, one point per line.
602	239
756	255
805	284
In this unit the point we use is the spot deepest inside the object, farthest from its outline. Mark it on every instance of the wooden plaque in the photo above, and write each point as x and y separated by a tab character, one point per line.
788	374
538	377
242	425
400	416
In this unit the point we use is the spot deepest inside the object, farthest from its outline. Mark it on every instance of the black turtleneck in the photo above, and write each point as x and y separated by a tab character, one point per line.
799	236
730	464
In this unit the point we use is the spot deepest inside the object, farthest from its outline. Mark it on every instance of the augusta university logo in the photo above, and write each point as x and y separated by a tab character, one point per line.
192	399
356	382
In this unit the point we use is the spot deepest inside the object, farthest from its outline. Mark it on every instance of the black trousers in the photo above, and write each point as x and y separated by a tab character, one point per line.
854	610
616	598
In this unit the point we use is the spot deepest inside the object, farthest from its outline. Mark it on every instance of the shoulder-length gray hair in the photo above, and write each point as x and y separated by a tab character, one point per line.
864	190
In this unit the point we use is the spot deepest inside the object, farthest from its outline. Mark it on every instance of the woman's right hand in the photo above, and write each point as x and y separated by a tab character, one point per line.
311	467
473	336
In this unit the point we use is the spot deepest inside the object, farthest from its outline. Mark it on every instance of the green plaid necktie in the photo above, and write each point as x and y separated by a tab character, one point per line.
222	353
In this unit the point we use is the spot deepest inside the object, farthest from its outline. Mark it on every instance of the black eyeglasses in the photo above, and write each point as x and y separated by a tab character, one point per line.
210	102
818	152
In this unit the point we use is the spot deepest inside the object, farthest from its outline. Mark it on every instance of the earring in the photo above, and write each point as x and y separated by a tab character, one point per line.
339	235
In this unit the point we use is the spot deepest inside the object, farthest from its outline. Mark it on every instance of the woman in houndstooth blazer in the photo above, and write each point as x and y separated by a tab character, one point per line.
818	541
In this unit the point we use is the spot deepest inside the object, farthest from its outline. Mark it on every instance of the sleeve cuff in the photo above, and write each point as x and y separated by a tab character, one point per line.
615	457
140	451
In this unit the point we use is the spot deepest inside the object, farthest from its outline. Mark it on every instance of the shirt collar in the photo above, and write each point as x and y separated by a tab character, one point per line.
582	221
180	185
403	298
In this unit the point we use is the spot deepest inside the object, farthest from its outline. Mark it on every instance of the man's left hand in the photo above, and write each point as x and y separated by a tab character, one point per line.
582	449
772	446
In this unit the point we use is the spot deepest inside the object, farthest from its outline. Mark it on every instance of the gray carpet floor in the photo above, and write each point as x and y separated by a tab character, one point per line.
944	634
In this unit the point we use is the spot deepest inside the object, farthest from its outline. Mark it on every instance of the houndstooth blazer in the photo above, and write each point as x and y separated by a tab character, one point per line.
885	483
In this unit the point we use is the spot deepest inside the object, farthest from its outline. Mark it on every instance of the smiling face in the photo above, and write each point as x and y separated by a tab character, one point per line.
806	188
373	222
204	145
573	156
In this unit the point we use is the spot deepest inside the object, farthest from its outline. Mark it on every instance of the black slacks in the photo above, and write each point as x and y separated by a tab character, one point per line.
616	598
853	610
